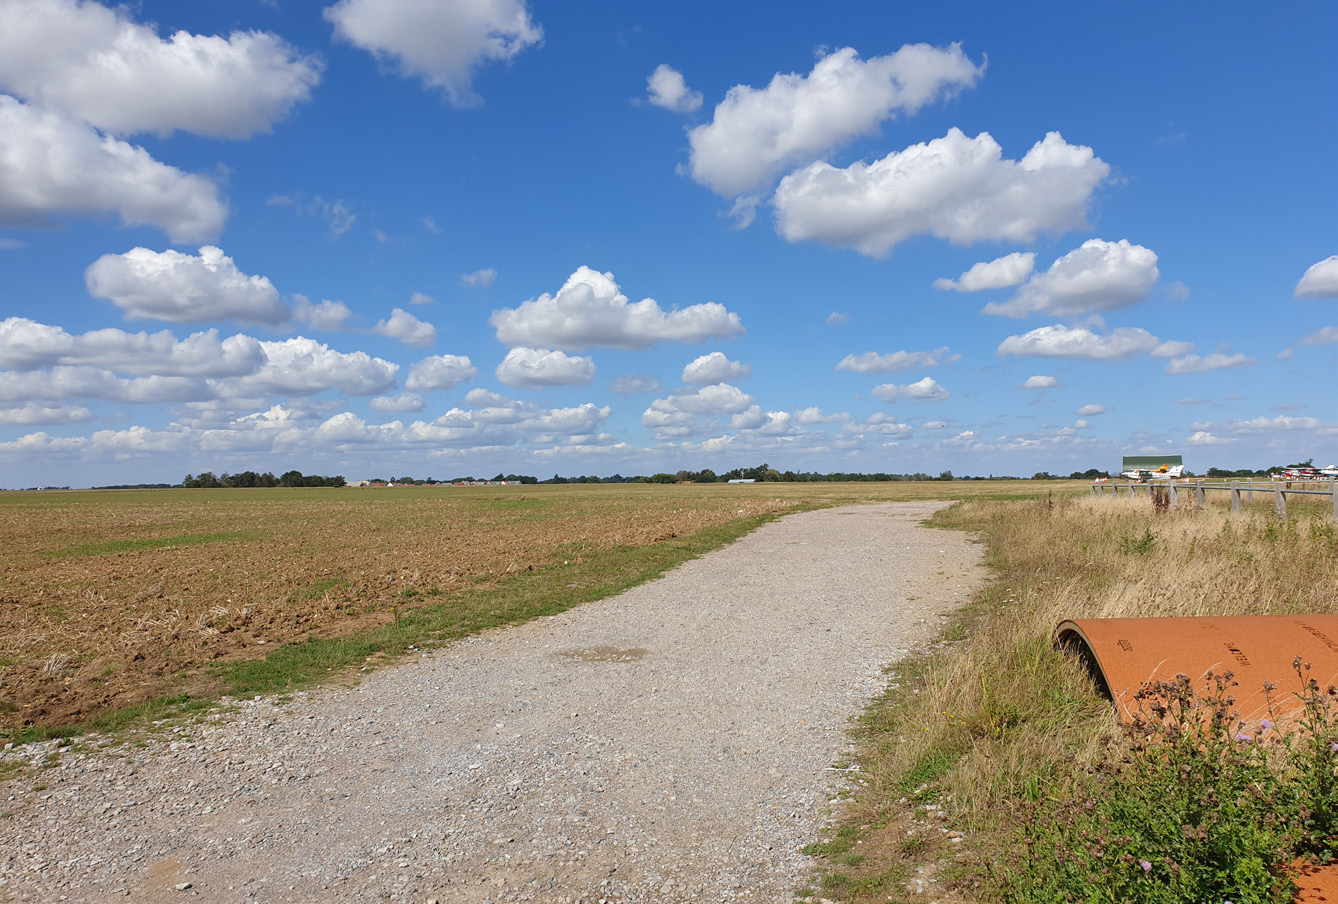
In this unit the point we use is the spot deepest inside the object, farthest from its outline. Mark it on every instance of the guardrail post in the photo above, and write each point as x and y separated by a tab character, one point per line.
1280	502
1249	491
1333	497
1200	497
1235	499
1171	487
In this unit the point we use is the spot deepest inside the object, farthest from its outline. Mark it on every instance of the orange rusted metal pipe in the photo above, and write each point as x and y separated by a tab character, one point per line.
1123	654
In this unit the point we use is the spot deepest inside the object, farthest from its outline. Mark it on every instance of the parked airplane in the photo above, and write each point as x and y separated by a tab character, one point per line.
1165	472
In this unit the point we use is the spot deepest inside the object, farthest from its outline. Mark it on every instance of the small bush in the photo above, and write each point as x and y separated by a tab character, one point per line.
1193	806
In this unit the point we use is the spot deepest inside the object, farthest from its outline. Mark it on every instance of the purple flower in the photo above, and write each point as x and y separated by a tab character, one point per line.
1266	724
1243	737
1147	867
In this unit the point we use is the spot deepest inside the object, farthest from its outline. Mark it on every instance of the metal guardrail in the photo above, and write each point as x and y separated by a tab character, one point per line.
1238	491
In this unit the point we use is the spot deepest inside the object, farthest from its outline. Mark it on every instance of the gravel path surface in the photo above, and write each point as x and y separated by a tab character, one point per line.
674	743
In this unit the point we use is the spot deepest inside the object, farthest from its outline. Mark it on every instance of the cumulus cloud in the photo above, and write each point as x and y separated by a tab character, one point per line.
440	372
35	413
1320	280
406	328
183	288
28	345
440	43
421	298
1097	276
632	383
689	411
874	363
1090	410
1324	336
1172	349
402	402
1060	341
715	368
954	188
1009	270
757	133
300	366
94	64
534	368
883	426
1197	364
1040	381
807	417
51	165
62	383
327	315
836	318
590	310
667	89
926	390
1204	438
479	279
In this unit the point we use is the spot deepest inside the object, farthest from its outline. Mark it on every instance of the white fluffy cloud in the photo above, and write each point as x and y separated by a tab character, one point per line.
1009	270
94	64
183	288
757	133
1060	341
667	89
809	416
1197	364
874	363
714	368
589	310
955	188
406	328
327	315
35	413
926	390
538	367
51	165
439	372
1319	280
441	43
1324	336
62	383
1097	276
1040	381
301	366
28	345
1090	410
402	402
692	411
479	279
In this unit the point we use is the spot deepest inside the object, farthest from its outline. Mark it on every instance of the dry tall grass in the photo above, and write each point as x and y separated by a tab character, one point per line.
998	713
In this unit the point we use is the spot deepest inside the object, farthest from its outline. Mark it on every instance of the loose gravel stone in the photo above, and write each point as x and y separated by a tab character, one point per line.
673	743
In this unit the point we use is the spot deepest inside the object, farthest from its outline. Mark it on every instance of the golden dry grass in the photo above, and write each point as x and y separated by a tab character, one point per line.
997	713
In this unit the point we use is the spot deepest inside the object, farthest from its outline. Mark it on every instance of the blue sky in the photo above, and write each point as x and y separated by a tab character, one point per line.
386	237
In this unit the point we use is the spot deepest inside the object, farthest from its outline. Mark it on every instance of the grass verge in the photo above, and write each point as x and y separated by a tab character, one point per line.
517	598
992	723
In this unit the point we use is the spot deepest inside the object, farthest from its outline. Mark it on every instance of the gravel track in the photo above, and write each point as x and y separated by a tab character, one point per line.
673	743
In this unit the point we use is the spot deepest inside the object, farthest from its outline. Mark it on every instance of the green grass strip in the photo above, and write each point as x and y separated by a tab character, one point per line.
108	547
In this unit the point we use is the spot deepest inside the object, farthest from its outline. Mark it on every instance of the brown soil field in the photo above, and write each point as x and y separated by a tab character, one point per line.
109	598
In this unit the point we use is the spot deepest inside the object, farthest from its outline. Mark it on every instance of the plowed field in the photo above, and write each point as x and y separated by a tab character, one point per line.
109	598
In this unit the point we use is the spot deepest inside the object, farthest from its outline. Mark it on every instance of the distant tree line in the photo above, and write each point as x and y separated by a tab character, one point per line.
208	481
